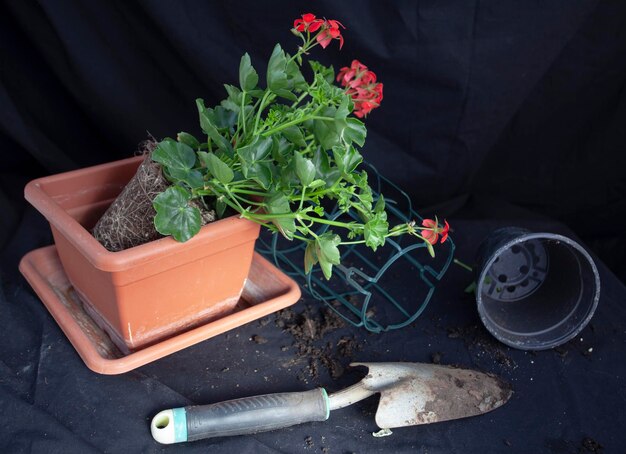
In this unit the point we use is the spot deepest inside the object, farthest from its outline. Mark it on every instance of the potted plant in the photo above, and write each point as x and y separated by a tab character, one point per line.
274	154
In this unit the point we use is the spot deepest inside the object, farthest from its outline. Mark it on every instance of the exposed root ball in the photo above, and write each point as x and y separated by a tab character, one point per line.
129	221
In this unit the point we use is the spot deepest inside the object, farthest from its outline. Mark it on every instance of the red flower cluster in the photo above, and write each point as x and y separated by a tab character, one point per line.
362	87
330	29
329	32
308	23
432	234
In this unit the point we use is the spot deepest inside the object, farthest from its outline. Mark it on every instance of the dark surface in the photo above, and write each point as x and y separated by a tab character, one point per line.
487	105
562	397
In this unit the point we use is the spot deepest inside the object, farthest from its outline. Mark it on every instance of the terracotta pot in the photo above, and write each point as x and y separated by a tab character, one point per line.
146	293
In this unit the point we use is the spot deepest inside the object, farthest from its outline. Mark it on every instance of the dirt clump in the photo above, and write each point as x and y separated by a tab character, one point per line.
589	445
316	343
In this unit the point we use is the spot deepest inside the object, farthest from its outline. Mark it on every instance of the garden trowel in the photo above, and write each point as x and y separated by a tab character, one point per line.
410	394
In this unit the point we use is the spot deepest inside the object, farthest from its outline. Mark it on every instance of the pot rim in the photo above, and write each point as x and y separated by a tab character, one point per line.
97	254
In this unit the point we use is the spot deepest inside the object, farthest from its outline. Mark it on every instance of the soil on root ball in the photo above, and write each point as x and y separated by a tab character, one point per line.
129	221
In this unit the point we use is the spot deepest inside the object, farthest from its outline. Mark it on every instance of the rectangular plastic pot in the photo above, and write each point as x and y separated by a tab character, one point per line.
147	293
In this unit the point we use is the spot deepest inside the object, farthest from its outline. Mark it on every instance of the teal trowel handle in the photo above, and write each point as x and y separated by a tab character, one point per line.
240	416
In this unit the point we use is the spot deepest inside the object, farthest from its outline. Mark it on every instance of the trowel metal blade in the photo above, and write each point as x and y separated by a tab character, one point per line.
414	393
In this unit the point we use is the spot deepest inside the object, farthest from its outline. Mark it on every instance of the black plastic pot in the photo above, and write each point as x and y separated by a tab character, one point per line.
535	290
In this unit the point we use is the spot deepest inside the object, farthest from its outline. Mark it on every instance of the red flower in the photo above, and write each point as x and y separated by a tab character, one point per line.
308	23
330	31
362	87
444	231
433	231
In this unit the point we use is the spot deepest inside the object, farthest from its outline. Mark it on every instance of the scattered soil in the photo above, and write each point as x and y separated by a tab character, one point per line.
436	357
259	339
313	344
588	445
582	344
129	221
481	343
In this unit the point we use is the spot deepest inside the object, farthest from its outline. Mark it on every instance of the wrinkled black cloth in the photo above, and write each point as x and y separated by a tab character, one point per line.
488	104
564	399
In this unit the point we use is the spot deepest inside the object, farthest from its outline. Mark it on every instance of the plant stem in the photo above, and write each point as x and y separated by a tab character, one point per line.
261	107
463	265
243	199
246	191
302	96
242	112
302	198
344	243
312	233
344	225
295	122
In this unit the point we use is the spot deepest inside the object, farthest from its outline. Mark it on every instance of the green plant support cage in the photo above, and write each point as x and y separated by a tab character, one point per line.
382	290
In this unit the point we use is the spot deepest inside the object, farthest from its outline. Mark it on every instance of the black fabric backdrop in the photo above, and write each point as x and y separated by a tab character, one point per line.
494	111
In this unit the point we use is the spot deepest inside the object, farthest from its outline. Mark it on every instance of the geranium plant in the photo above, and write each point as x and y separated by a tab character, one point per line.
275	152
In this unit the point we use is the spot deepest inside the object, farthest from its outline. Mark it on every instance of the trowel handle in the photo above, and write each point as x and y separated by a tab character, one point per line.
240	416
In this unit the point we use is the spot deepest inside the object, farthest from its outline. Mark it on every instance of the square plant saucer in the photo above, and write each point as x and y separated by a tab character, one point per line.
267	290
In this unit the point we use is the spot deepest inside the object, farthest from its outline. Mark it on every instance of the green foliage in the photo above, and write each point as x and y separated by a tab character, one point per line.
248	78
178	160
174	215
327	252
275	154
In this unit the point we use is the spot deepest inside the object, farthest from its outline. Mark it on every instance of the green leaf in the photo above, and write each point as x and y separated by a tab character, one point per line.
258	150
354	132
234	93
218	168
224	118
287	178
233	102
323	170
325	131
380	205
220	207
327	251
253	161
343	110
230	105
172	154
294	135
208	121
327	72
342	129
375	230
347	159
177	160
248	78
278	203
277	80
188	139
174	215
430	248
321	163
257	93
276	76
261	172
304	169
317	184
281	149
294	76
193	178
310	257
